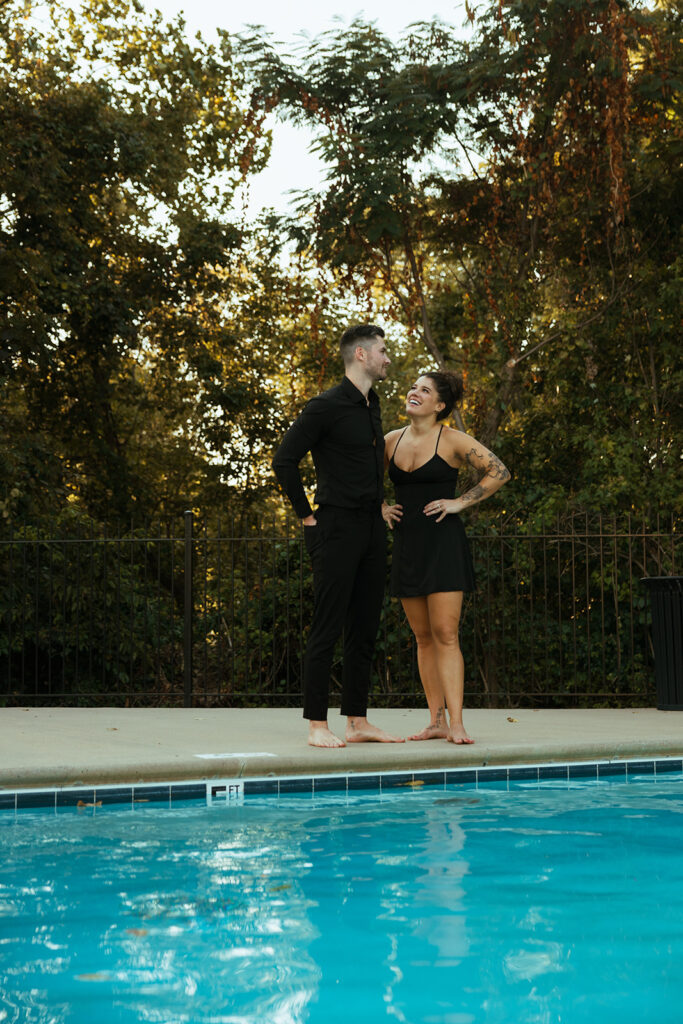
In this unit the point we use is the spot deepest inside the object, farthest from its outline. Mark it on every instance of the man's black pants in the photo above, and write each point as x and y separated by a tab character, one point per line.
348	553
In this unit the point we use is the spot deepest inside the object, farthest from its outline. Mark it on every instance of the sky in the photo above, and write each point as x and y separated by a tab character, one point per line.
291	166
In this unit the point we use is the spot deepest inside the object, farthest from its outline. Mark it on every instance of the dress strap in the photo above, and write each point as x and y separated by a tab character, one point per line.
437	440
399	441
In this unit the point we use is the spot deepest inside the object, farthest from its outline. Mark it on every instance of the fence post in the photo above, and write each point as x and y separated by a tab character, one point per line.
188	609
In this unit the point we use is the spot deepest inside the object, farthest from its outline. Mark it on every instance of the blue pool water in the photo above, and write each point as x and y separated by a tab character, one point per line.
547	904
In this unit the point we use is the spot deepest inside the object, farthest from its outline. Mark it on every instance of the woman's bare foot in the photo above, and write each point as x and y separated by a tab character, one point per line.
457	734
359	730
433	731
319	735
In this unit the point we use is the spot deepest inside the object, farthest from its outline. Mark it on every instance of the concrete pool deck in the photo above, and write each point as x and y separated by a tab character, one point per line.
54	747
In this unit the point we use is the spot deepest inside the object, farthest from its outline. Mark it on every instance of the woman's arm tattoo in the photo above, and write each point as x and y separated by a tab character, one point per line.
468	457
475	493
495	468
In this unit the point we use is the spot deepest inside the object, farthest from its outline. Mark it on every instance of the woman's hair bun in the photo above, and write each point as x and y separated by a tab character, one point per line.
449	389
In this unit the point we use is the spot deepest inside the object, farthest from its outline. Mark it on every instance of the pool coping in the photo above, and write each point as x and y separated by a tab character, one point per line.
236	791
107	747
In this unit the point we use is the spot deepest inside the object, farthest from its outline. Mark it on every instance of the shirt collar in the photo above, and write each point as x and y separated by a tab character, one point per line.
355	395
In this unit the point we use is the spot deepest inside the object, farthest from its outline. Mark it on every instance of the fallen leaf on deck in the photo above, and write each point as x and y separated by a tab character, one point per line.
512	719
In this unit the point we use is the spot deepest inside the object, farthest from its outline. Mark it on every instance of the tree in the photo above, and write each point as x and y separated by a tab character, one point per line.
525	250
122	145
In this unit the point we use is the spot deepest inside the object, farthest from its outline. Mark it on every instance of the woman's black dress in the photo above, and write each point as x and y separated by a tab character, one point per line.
428	557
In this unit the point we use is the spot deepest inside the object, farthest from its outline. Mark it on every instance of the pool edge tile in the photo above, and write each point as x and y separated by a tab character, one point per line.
297	785
182	791
461	776
36	799
81	797
551	772
261	787
397	780
330	784
152	794
110	796
645	767
368	782
493	774
430	777
524	773
611	769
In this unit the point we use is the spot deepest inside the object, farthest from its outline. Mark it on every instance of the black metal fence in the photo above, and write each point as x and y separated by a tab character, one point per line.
187	617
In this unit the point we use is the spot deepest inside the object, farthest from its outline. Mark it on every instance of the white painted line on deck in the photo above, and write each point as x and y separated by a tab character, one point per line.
209	757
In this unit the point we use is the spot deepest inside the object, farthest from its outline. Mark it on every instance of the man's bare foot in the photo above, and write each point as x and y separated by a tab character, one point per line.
457	734
359	730
434	731
319	735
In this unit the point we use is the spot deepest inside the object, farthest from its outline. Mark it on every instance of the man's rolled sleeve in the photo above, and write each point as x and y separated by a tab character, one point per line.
296	443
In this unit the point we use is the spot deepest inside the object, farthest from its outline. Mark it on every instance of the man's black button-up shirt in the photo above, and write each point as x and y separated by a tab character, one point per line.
344	434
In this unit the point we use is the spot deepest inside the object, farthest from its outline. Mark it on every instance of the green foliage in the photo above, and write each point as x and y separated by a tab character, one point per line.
506	205
559	616
88	619
517	197
121	148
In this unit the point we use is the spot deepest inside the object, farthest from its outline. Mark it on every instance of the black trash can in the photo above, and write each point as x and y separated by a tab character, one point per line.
666	601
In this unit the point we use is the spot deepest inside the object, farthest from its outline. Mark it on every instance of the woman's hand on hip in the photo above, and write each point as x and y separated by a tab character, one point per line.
391	514
441	507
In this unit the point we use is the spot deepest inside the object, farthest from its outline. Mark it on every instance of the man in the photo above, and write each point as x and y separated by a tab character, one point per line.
345	538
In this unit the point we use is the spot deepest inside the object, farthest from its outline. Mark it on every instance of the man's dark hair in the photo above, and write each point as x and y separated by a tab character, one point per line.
360	334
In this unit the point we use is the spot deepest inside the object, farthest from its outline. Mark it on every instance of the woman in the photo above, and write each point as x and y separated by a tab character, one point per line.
432	565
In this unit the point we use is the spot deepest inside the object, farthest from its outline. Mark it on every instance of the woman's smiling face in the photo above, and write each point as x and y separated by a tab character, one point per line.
423	399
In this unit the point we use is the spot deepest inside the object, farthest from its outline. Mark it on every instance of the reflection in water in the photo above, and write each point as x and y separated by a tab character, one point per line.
208	925
385	890
435	940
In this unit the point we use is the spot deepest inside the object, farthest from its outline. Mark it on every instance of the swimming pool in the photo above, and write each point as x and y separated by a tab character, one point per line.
541	903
